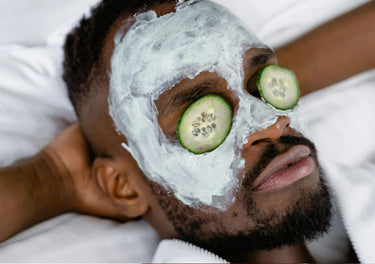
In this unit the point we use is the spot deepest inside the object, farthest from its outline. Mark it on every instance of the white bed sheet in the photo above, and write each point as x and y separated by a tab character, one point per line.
34	107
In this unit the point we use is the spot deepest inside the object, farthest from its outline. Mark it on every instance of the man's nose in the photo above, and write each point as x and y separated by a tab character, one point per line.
274	131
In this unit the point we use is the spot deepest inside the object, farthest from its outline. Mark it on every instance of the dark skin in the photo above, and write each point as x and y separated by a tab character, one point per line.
334	51
109	187
120	161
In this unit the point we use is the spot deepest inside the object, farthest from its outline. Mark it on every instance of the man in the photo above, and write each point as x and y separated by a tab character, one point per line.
279	216
255	220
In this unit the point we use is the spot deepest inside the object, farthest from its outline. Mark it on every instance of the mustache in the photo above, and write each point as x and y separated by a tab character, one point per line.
272	150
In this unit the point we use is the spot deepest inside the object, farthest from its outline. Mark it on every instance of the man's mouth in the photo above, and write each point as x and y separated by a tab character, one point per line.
285	169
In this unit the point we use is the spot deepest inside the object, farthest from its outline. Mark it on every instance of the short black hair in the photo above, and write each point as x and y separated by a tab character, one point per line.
83	45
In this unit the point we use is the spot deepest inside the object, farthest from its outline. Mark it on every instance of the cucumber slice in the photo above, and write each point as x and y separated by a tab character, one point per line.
205	124
278	86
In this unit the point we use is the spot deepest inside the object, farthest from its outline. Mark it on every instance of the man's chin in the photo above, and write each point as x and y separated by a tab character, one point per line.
307	219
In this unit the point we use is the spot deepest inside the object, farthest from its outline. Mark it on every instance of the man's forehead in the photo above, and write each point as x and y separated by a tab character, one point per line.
124	23
159	51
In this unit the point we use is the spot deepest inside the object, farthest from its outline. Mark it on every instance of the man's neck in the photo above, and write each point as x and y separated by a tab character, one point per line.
293	254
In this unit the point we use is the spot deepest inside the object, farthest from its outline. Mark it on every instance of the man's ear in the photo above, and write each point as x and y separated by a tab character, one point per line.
117	183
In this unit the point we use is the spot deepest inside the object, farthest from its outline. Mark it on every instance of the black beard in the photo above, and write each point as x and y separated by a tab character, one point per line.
306	219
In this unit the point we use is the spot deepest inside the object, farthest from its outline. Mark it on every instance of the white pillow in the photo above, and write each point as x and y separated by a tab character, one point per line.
34	104
31	22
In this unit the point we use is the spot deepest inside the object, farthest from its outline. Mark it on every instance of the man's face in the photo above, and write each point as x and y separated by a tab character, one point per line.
147	93
262	186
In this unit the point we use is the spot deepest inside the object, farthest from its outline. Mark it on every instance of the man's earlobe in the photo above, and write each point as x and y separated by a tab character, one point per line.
116	183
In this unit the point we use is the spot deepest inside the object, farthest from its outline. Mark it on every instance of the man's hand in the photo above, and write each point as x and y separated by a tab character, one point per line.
72	160
334	51
56	180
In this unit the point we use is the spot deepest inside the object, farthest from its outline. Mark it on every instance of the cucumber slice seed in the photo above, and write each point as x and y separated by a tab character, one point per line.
205	124
278	86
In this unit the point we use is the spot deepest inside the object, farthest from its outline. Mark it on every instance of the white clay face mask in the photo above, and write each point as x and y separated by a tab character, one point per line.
155	54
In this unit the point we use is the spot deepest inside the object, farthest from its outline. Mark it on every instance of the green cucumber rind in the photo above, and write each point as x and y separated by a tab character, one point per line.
186	110
261	91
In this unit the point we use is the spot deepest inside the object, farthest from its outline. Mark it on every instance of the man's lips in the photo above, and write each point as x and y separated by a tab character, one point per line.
285	169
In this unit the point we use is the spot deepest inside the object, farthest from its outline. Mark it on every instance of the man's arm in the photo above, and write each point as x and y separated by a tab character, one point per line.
334	51
56	180
31	191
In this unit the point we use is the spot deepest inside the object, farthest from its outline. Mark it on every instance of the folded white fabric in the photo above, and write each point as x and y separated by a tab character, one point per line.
354	190
177	251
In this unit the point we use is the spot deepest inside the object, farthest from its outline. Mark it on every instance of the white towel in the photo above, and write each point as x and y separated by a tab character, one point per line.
354	191
177	251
